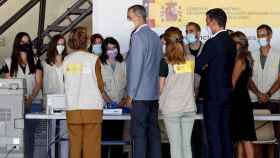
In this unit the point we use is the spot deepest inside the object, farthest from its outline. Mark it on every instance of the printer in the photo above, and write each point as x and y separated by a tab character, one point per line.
55	103
12	92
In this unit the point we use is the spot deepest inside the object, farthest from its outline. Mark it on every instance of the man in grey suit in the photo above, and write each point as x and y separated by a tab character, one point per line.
143	63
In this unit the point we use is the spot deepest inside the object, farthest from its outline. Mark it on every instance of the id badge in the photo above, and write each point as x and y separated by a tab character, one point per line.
187	67
74	69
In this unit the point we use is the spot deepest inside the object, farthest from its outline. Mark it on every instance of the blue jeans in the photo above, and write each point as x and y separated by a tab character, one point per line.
179	129
145	129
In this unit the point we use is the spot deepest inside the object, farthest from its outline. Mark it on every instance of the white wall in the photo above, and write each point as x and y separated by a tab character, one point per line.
109	19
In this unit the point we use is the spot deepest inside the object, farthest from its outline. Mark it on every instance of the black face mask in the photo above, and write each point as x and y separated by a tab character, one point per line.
25	48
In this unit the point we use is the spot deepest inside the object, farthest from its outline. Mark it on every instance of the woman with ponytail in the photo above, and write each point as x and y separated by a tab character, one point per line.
177	101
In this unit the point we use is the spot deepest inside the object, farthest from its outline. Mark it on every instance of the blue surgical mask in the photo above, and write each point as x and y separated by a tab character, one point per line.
191	38
96	49
263	42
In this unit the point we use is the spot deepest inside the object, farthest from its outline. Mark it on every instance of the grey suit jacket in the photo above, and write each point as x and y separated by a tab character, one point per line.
143	63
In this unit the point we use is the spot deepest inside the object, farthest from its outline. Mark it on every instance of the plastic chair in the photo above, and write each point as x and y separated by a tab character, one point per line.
265	131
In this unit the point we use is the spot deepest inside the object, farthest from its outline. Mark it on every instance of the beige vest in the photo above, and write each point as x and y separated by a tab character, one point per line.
178	92
81	86
264	78
53	79
115	81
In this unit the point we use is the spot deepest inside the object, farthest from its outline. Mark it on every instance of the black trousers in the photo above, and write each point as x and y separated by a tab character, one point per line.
145	129
112	131
217	122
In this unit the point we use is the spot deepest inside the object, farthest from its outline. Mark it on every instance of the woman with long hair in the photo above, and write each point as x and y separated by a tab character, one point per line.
177	102
53	84
23	64
53	72
243	128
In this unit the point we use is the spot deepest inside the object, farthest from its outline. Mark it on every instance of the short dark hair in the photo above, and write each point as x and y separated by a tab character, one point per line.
218	15
94	37
266	27
78	38
139	11
103	57
196	25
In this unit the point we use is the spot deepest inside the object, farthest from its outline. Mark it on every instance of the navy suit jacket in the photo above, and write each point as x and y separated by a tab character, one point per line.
217	59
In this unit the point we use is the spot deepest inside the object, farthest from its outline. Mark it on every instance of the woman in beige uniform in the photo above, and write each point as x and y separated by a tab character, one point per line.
84	89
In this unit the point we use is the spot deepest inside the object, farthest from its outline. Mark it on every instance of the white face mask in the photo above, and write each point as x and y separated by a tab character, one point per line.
131	26
263	42
60	49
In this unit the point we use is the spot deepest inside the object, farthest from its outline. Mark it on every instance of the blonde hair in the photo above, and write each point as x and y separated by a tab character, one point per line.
243	52
175	49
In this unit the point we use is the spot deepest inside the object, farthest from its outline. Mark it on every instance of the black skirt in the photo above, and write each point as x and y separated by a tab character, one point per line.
243	125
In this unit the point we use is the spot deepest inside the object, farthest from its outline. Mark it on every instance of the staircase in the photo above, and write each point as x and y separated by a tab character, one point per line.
62	25
20	13
2	2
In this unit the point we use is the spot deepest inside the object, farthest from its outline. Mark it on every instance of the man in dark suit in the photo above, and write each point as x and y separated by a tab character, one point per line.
217	57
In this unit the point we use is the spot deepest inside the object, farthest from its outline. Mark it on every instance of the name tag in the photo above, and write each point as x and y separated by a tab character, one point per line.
187	67
74	69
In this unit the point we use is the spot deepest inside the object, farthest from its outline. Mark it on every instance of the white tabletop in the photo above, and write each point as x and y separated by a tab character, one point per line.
40	116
